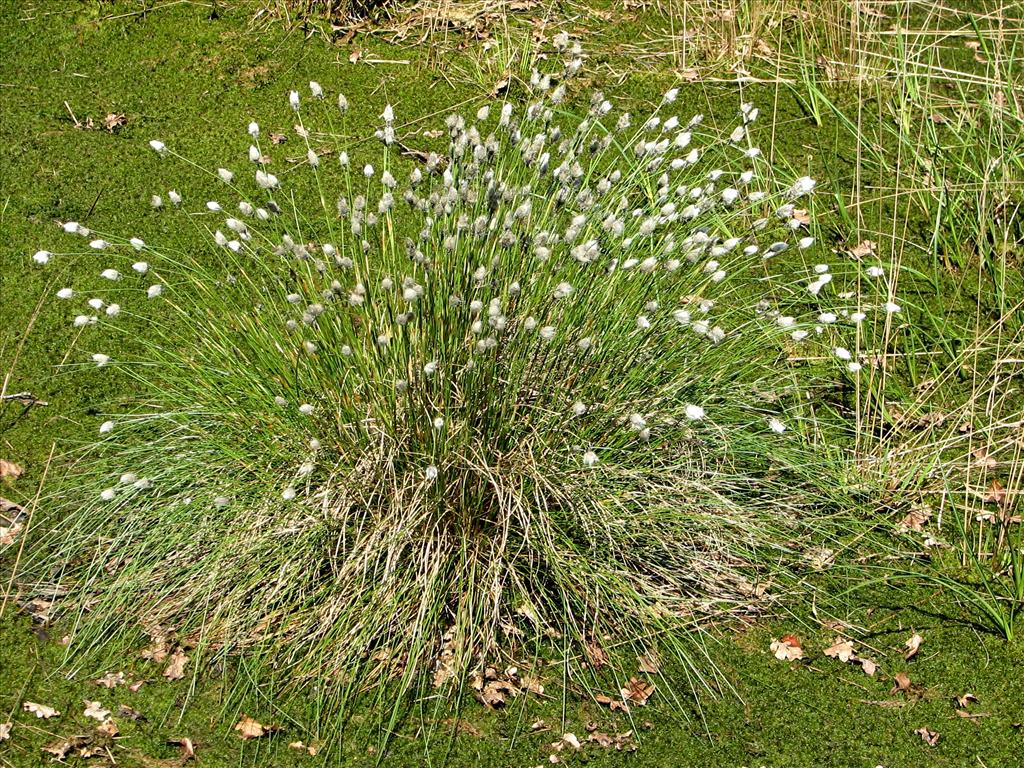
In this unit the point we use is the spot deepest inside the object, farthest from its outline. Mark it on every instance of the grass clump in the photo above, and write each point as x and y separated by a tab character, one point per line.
568	391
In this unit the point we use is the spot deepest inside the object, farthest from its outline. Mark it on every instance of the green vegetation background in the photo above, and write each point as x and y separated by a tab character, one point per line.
194	78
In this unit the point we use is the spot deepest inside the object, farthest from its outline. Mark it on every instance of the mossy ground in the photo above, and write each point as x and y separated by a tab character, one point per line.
194	77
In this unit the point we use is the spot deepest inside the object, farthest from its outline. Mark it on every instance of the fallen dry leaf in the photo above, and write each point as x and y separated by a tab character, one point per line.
111	680
917	518
309	749
250	729
972	716
40	710
614	705
108	728
355	56
95	710
5	731
176	669
188	749
532	684
10	512
996	493
155	651
134	687
868	666
38	609
10	470
902	680
965	700
495	692
637	691
123	710
912	645
862	249
840	649
113	121
8	535
983	459
787	648
801	215
620	741
64	747
597	656
928	736
571	740
649	663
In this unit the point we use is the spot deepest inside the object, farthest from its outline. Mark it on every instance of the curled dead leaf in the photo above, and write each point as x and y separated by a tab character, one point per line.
5	731
902	683
928	736
912	645
188	749
965	700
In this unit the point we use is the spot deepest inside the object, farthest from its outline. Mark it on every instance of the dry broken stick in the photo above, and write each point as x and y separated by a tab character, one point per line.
25	398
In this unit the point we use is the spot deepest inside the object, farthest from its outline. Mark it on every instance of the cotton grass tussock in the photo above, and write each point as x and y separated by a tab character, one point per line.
540	390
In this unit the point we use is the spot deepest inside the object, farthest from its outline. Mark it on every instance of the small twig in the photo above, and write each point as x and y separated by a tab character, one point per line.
70	112
25	398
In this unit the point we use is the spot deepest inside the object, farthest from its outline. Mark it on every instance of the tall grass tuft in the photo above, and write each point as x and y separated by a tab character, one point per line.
567	389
